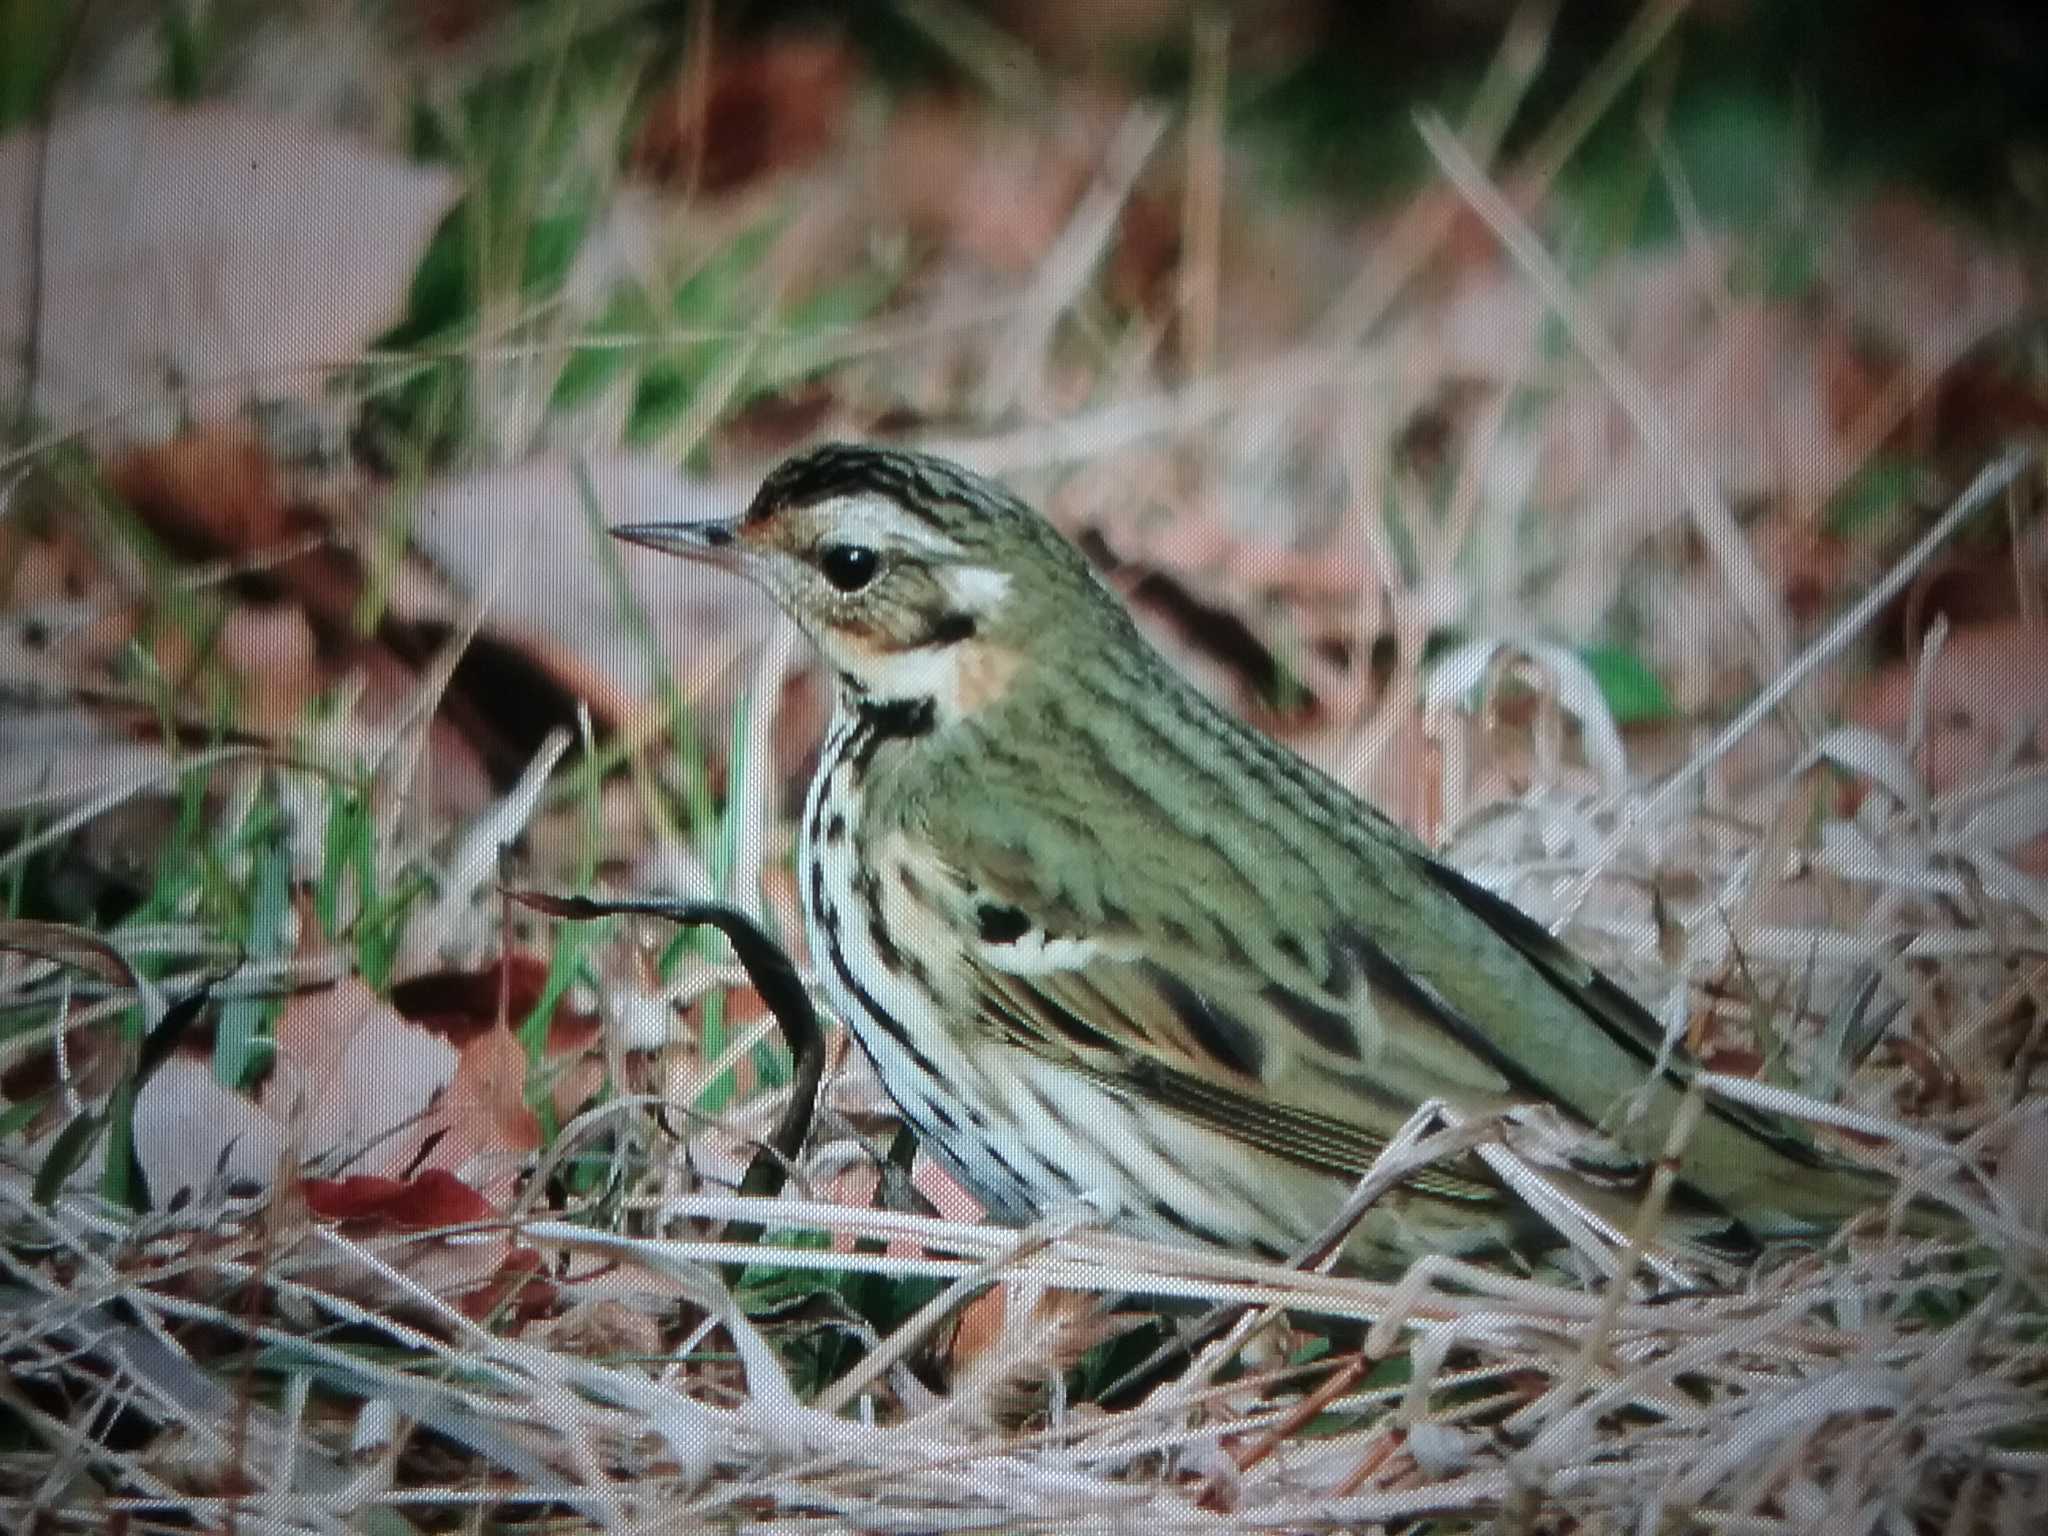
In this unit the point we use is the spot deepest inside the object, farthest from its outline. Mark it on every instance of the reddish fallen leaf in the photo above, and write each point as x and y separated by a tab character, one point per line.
768	106
484	1274
433	1198
214	494
486	1110
519	1292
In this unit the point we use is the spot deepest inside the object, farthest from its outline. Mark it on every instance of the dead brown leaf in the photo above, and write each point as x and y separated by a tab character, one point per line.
356	1077
485	1126
518	541
187	259
1984	685
996	193
476	1011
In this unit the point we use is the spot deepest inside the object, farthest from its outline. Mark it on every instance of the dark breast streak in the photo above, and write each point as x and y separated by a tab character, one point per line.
848	754
843	767
979	1142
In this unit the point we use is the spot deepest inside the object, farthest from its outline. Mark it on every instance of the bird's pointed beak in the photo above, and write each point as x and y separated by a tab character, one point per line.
715	541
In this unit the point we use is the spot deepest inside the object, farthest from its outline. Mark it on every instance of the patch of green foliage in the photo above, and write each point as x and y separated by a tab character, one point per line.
35	35
1875	496
825	1320
1633	692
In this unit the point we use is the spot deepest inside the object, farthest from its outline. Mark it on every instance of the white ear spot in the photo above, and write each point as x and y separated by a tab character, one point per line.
976	588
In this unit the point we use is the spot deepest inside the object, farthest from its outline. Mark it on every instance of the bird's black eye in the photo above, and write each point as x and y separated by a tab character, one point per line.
849	567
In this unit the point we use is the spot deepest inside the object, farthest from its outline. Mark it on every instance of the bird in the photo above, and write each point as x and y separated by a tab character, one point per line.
1106	942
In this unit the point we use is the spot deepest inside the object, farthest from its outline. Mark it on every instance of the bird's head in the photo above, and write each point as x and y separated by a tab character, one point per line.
914	577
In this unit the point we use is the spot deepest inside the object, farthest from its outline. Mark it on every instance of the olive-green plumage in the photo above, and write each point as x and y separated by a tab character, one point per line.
1103	938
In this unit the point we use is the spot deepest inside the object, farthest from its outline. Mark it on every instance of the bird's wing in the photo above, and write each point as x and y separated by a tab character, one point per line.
1320	1049
1587	1042
1205	1053
1199	1029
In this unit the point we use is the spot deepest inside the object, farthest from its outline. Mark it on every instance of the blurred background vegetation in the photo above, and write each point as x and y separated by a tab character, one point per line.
1489	399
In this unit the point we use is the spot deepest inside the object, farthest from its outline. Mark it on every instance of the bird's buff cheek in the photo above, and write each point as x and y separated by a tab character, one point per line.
984	675
960	679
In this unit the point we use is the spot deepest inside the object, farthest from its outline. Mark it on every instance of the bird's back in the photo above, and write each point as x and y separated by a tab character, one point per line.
1237	919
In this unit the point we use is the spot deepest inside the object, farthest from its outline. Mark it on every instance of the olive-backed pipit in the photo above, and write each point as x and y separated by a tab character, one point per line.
1103	939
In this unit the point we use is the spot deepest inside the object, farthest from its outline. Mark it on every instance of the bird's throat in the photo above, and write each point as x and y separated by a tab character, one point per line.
954	681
